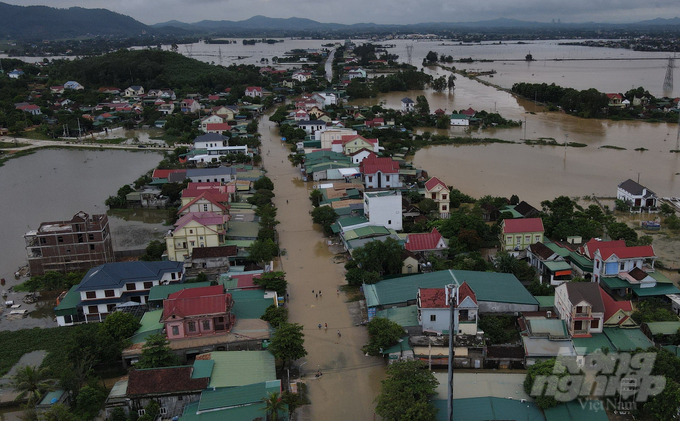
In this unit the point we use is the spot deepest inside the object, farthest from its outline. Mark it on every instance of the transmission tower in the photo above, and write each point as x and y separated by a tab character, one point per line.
668	81
409	52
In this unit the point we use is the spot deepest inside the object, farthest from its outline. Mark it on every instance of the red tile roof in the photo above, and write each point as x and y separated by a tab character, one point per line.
511	226
433	182
207	196
157	173
351	137
371	165
164	380
611	306
469	112
612	96
218	126
247	281
618	248
196	302
425	241
465	291
432	298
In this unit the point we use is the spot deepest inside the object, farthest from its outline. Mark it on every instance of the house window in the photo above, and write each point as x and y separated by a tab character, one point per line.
175	331
60	239
206	324
110	308
387	178
622	266
597	264
527	238
191	326
91	294
192	243
433	317
537	239
148	285
518	240
141	412
509	239
91	247
90	237
205	208
93	309
434	196
43	241
370	178
444	197
444	207
109	293
130	287
163	411
389	222
80	238
191	231
172	275
594	324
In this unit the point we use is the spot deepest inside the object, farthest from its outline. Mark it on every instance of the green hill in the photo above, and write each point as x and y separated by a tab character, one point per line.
153	69
42	22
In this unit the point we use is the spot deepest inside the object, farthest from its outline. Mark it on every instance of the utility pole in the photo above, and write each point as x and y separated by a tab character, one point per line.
638	178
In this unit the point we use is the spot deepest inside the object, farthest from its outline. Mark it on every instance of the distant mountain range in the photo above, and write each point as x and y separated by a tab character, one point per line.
42	22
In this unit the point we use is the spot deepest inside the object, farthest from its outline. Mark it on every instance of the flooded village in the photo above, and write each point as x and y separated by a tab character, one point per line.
337	234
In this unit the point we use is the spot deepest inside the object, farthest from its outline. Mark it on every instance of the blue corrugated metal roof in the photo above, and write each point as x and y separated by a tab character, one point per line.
114	275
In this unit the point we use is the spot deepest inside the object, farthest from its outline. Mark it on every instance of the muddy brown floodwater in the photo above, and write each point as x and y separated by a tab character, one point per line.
350	380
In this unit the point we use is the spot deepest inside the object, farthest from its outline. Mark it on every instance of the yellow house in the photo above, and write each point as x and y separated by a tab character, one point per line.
436	190
351	144
518	234
204	229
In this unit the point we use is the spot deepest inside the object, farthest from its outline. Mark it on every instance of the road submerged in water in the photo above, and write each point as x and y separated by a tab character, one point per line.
350	380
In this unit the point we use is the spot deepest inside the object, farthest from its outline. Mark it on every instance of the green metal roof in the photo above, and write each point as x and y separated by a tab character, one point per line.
351	221
557	266
241	368
398	347
545	300
161	292
489	408
150	324
553	327
403	316
68	305
625	340
243	230
202	369
249	303
586	346
239	413
240	205
663	328
615	282
239	243
673	349
488	286
582	262
575	411
561	251
362	232
226	397
663	289
511	209
660	277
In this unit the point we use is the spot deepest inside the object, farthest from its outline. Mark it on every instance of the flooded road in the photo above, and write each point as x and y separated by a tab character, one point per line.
350	380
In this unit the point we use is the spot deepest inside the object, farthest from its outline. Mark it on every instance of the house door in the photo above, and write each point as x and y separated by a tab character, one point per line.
578	325
379	175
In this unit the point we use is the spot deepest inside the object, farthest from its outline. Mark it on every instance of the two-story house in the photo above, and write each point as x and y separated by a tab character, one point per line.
329	135
614	258
580	305
636	194
380	173
518	234
221	174
436	190
189	106
135	90
211	119
227	112
351	143
552	268
434	309
199	311
204	229
254	91
312	126
106	286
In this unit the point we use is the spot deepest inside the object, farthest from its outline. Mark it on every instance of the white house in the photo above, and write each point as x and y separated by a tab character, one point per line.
15	74
111	284
254	91
356	73
134	90
615	259
380	173
189	105
635	194
580	305
407	105
434	309
301	76
216	145
384	209
360	155
460	120
312	126
220	174
72	84
329	98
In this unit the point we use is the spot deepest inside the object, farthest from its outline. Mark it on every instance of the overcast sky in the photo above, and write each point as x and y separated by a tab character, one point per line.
381	11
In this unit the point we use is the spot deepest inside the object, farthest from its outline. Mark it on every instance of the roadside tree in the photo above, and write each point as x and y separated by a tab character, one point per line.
405	392
382	333
288	343
156	353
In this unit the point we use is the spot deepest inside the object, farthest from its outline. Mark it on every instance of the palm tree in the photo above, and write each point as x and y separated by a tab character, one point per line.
31	382
273	405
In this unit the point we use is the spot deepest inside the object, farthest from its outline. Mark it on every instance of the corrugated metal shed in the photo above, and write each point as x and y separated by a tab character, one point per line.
240	368
236	396
488	408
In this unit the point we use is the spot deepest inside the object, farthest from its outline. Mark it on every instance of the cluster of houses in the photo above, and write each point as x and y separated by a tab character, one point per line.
617	100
